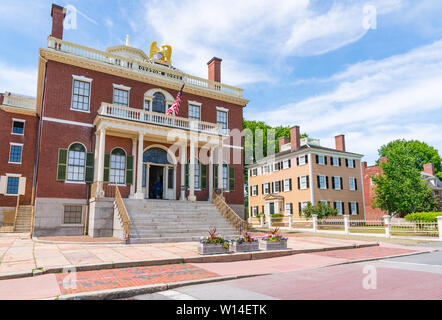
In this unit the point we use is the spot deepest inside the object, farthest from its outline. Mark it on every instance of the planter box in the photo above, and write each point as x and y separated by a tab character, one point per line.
272	245
244	247
211	249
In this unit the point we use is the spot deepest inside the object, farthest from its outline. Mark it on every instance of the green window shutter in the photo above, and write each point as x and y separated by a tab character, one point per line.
129	170
90	167
61	165
215	175
203	177
231	179
186	178
106	167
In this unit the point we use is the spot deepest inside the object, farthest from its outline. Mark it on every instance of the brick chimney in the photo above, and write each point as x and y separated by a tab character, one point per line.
57	13
283	141
340	142
215	69
295	137
429	168
1	98
364	165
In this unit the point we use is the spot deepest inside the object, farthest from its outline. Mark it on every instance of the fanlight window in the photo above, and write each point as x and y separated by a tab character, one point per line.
156	155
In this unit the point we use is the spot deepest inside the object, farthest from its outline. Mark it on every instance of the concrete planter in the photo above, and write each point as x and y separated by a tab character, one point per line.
272	245
244	247
205	248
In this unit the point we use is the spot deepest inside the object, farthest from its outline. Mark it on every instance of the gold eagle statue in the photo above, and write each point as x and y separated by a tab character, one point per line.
164	53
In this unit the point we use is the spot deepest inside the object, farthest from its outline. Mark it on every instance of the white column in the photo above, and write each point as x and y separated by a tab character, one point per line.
134	154
439	226
315	222
212	150
192	171
387	223
346	223
183	151
220	167
100	178
139	194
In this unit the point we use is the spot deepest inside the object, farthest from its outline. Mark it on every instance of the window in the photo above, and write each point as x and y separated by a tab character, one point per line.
350	163
159	103
322	182
272	207
286	164
15	153
277	166
170	178
221	118
254	211
372	183
321	160
339	206
288	209
253	172
266	188
302	160
194	112
80	95
353	206
121	97
254	190
337	183
352	183
266	169
336	161
225	177
146	105
302	205
303	182
287	185
12	187
76	163
197	172
277	186
118	166
18	126
72	214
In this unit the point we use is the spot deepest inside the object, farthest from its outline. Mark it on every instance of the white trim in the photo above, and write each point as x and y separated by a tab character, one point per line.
195	103
18	120
222	109
82	78
16	144
312	187
233	147
21	153
13	174
121	87
75	182
76	123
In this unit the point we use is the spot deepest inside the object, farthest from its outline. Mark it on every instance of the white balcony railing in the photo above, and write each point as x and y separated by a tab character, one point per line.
143	67
11	99
160	119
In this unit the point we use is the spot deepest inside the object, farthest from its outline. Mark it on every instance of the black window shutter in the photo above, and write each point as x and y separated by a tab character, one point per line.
297	161
231	179
357	207
308	181
273	187
290	163
186	175
291	208
349	208
203	177
334	204
354	163
339	159
106	167
215	176
343	207
319	181
342	186
290	184
346	162
262	188
326	182
317	159
333	182
306	158
299	207
299	183
62	164
356	184
129	169
325	159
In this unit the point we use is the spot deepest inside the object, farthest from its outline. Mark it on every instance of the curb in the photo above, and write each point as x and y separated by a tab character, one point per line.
229	257
127	292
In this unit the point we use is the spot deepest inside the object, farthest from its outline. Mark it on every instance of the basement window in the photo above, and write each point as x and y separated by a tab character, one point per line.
72	214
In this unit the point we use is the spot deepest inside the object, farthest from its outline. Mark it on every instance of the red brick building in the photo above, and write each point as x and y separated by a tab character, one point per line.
102	120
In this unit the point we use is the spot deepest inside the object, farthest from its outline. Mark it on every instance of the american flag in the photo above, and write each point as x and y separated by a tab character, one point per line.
175	108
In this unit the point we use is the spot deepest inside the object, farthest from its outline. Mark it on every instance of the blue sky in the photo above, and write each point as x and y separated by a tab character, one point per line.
301	62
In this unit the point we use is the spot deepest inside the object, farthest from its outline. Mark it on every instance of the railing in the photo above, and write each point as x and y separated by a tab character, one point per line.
156	118
19	101
16	211
239	224
100	189
416	228
123	216
366	226
143	67
330	224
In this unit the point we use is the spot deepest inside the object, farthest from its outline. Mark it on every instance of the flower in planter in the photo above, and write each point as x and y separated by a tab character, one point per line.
214	239
245	238
274	236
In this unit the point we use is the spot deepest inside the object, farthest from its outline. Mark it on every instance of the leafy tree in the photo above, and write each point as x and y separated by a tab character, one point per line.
321	210
421	153
400	188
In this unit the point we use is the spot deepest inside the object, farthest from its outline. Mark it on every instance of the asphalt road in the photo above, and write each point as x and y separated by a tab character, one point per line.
411	277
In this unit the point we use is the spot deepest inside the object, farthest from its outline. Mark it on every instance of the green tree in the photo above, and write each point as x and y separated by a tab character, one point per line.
321	210
400	188
421	153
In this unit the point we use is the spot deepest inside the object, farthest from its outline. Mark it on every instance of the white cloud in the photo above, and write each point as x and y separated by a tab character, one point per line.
18	80
374	101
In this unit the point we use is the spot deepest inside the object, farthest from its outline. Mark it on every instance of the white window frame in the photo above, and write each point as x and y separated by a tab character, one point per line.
303	205
321	160
7	182
332	160
350	165
289	209
226	111
21	153
194	105
124	88
18	120
117	169
276	183
350	181
286	181
322	178
254	211
337	179
340	207
303	184
355	208
68	165
301	162
267	188
81	79
285	164
266	169
254	190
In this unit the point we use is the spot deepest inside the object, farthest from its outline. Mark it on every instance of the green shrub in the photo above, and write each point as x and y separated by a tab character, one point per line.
423	216
277	215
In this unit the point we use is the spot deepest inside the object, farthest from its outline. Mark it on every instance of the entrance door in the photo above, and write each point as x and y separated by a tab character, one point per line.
156	182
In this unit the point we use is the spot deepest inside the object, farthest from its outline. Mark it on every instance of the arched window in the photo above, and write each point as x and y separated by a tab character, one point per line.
117	166
76	162
159	103
157	155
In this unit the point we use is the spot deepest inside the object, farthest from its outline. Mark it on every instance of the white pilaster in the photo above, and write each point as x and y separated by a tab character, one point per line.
183	157
100	172
139	193
212	150
134	154
192	171
220	167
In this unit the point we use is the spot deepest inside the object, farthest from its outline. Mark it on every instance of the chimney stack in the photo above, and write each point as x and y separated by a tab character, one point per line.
283	141
340	142
429	168
295	137
57	13
364	165
215	69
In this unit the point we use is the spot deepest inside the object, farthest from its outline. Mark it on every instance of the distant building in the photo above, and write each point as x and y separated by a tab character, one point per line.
305	171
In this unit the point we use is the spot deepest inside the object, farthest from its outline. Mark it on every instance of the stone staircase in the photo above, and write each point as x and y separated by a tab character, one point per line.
174	221
24	216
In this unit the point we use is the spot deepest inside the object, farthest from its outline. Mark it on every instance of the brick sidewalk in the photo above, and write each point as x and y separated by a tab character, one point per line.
364	253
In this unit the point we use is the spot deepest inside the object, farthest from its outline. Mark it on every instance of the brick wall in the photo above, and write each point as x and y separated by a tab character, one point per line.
370	212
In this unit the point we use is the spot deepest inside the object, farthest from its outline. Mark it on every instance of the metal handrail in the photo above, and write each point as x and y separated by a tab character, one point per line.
232	217
16	211
122	213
